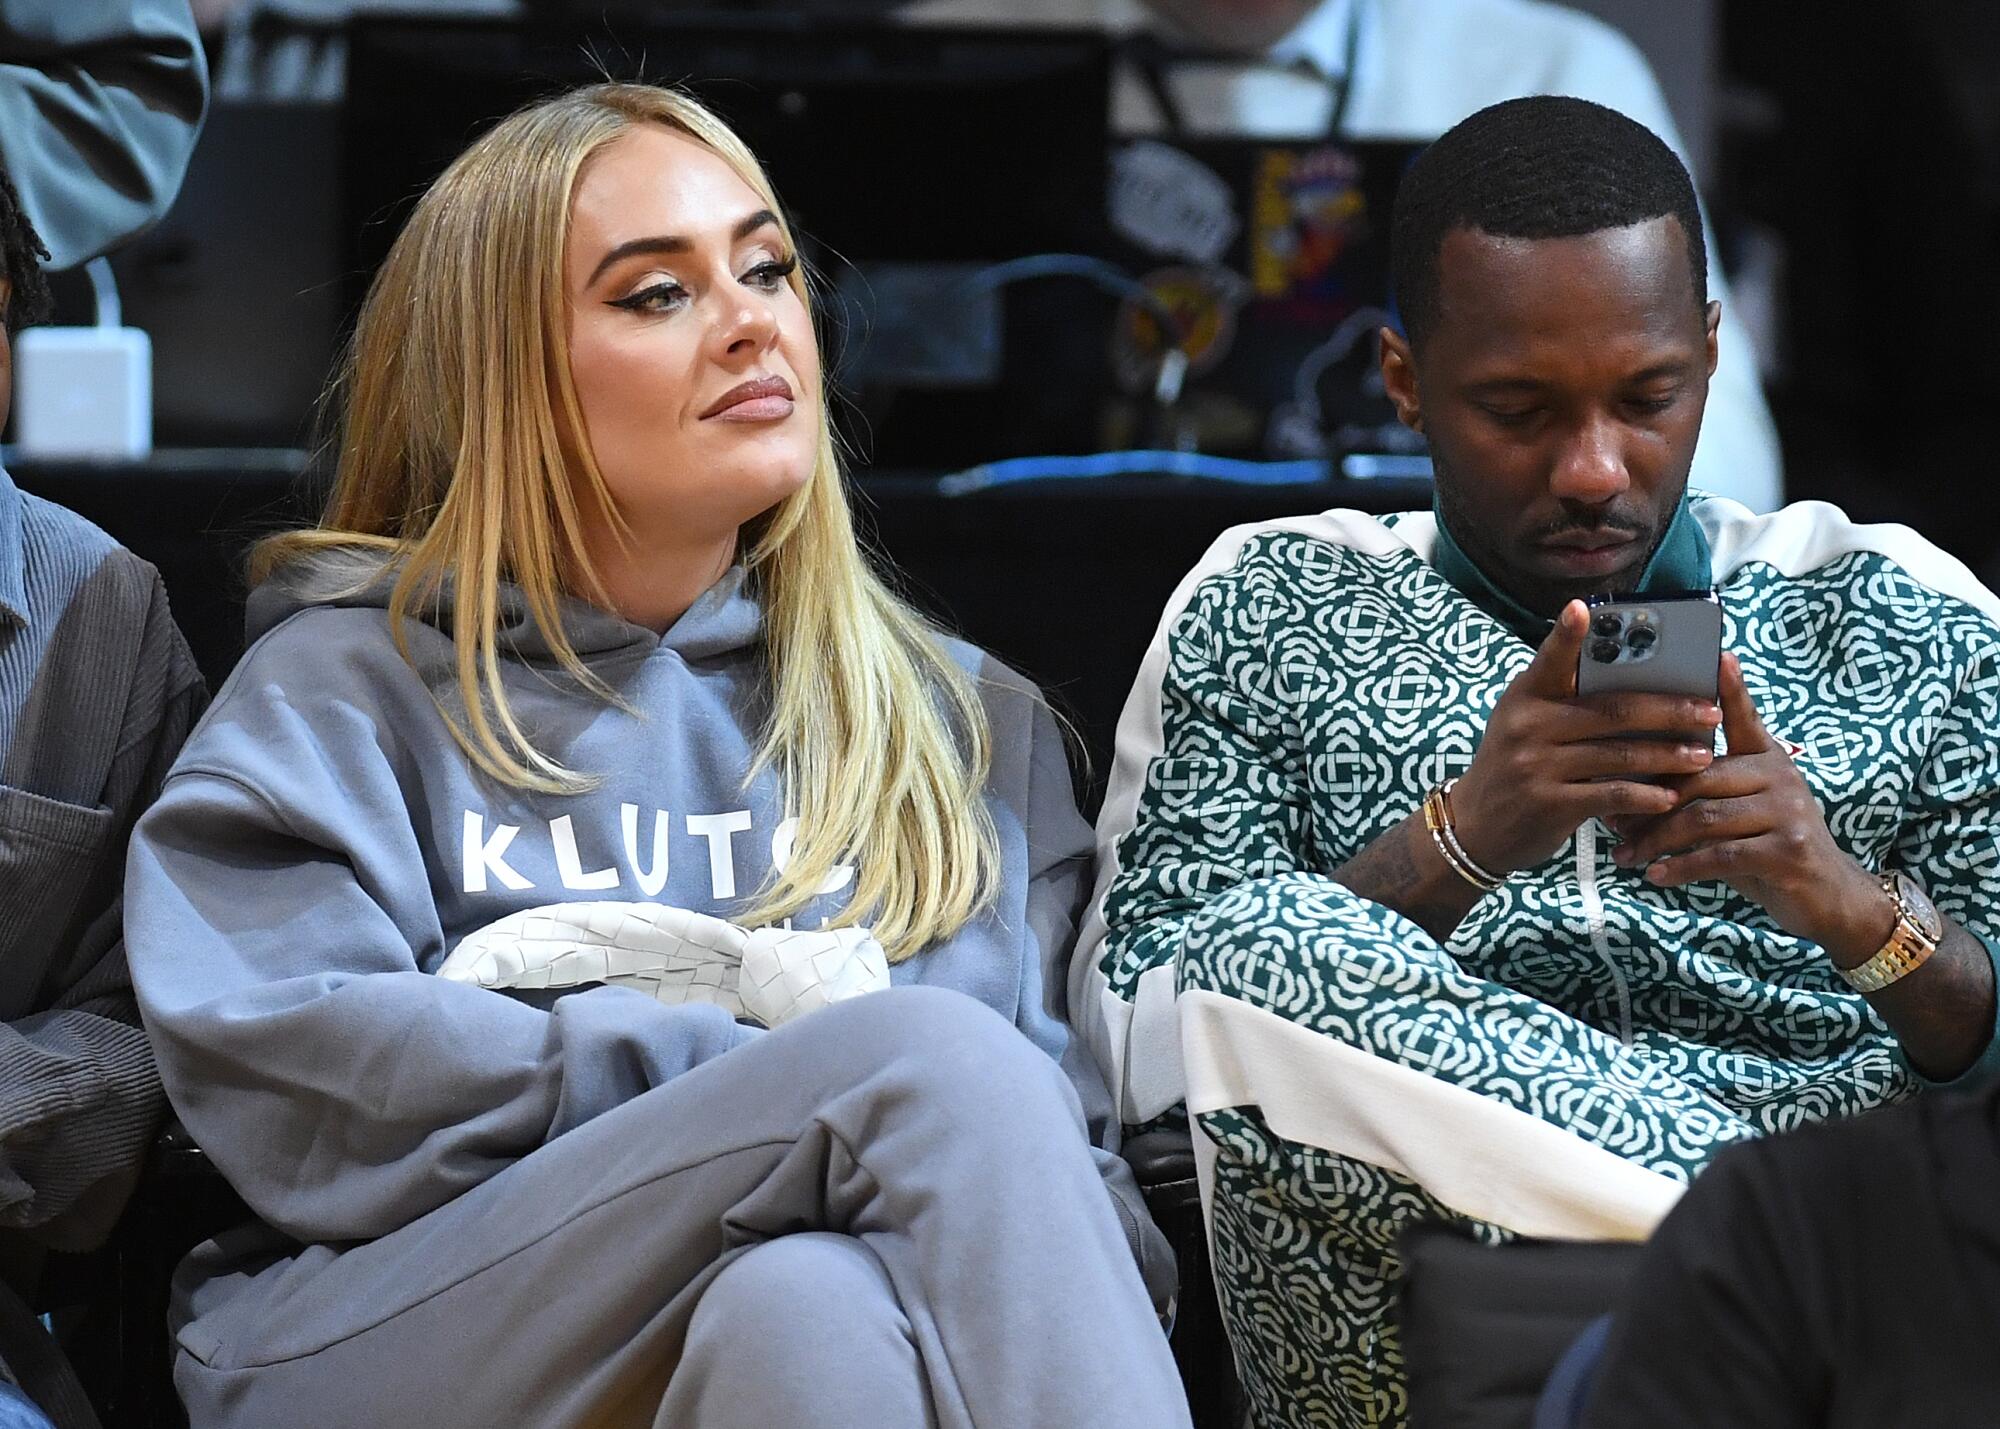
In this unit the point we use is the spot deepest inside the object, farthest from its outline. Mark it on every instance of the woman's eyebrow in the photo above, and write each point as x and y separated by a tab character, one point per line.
671	243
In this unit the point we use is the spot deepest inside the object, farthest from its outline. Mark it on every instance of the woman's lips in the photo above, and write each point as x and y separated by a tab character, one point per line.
763	399
757	409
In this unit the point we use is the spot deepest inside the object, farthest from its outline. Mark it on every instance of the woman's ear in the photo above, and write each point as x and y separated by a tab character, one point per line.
1399	379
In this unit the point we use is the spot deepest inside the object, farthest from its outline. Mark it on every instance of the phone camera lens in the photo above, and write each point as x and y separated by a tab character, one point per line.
1604	652
1641	638
1605	626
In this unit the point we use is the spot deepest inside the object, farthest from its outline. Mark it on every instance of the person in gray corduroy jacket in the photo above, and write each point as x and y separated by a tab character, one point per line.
97	693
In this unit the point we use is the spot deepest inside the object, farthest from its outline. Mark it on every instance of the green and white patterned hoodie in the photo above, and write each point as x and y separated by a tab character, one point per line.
1313	677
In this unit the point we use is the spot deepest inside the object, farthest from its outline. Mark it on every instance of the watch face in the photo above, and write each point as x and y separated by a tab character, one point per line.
1917	904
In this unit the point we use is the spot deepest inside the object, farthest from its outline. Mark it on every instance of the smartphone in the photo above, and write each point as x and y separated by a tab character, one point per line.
1668	643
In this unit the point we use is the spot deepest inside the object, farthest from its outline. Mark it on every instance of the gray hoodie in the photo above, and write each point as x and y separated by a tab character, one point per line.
323	844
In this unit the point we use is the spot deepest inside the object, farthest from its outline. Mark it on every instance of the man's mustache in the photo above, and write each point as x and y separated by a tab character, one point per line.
1627	526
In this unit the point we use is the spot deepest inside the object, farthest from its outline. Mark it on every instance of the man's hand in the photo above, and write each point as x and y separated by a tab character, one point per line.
1749	820
1548	760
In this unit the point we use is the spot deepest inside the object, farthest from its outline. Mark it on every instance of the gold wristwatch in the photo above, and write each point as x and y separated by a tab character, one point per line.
1918	931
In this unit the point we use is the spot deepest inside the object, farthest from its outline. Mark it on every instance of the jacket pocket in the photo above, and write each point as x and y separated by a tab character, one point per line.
50	852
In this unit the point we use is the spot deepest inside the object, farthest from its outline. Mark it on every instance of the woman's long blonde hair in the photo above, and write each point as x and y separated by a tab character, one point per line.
462	459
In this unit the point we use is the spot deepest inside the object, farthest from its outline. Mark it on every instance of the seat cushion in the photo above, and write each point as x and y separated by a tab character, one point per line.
1483	1325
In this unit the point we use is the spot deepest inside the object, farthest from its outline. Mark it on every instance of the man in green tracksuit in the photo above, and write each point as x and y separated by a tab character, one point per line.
1409	927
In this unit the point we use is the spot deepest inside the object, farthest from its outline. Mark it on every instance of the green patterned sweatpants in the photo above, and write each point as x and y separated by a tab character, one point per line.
1305	1234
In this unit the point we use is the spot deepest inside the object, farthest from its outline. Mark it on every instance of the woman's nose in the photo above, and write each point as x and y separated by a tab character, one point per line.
746	324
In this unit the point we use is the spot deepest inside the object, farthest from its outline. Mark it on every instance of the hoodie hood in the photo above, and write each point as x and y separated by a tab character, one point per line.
724	618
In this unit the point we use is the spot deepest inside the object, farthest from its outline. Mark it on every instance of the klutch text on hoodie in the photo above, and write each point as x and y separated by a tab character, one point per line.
484	853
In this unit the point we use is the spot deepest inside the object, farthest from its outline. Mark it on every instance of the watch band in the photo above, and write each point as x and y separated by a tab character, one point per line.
1908	949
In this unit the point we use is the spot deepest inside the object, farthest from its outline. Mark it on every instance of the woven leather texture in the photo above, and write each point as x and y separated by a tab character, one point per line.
675	955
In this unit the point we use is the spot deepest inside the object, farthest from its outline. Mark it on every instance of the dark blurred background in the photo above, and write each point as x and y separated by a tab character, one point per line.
1859	149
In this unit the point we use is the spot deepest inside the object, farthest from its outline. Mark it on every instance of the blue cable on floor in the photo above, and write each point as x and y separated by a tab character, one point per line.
1137	463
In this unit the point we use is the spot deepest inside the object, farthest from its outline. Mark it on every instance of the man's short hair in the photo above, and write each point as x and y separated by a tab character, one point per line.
22	254
1543	167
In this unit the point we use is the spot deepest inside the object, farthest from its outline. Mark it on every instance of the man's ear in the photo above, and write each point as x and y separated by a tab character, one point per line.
1713	324
1399	379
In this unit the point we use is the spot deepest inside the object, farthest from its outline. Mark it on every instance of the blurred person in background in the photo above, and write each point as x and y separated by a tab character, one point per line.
100	105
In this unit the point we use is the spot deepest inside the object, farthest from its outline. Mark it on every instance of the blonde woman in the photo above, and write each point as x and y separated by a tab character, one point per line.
584	669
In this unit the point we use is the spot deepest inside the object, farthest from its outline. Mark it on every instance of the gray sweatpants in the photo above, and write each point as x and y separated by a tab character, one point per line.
884	1214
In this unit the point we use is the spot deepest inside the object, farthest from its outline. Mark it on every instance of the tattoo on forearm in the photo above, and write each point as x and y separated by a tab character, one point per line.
1392	872
1385	865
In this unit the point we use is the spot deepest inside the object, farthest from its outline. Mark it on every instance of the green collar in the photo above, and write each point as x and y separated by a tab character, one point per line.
1681	563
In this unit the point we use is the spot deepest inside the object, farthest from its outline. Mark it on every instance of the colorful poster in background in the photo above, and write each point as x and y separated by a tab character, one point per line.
1309	211
1272	259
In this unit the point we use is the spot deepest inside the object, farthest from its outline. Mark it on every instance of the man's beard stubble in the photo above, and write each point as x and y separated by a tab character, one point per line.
1545	597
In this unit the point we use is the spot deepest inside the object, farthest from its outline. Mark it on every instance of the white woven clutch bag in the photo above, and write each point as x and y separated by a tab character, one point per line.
673	954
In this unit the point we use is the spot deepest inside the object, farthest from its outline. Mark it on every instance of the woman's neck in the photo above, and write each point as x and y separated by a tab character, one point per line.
652	585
